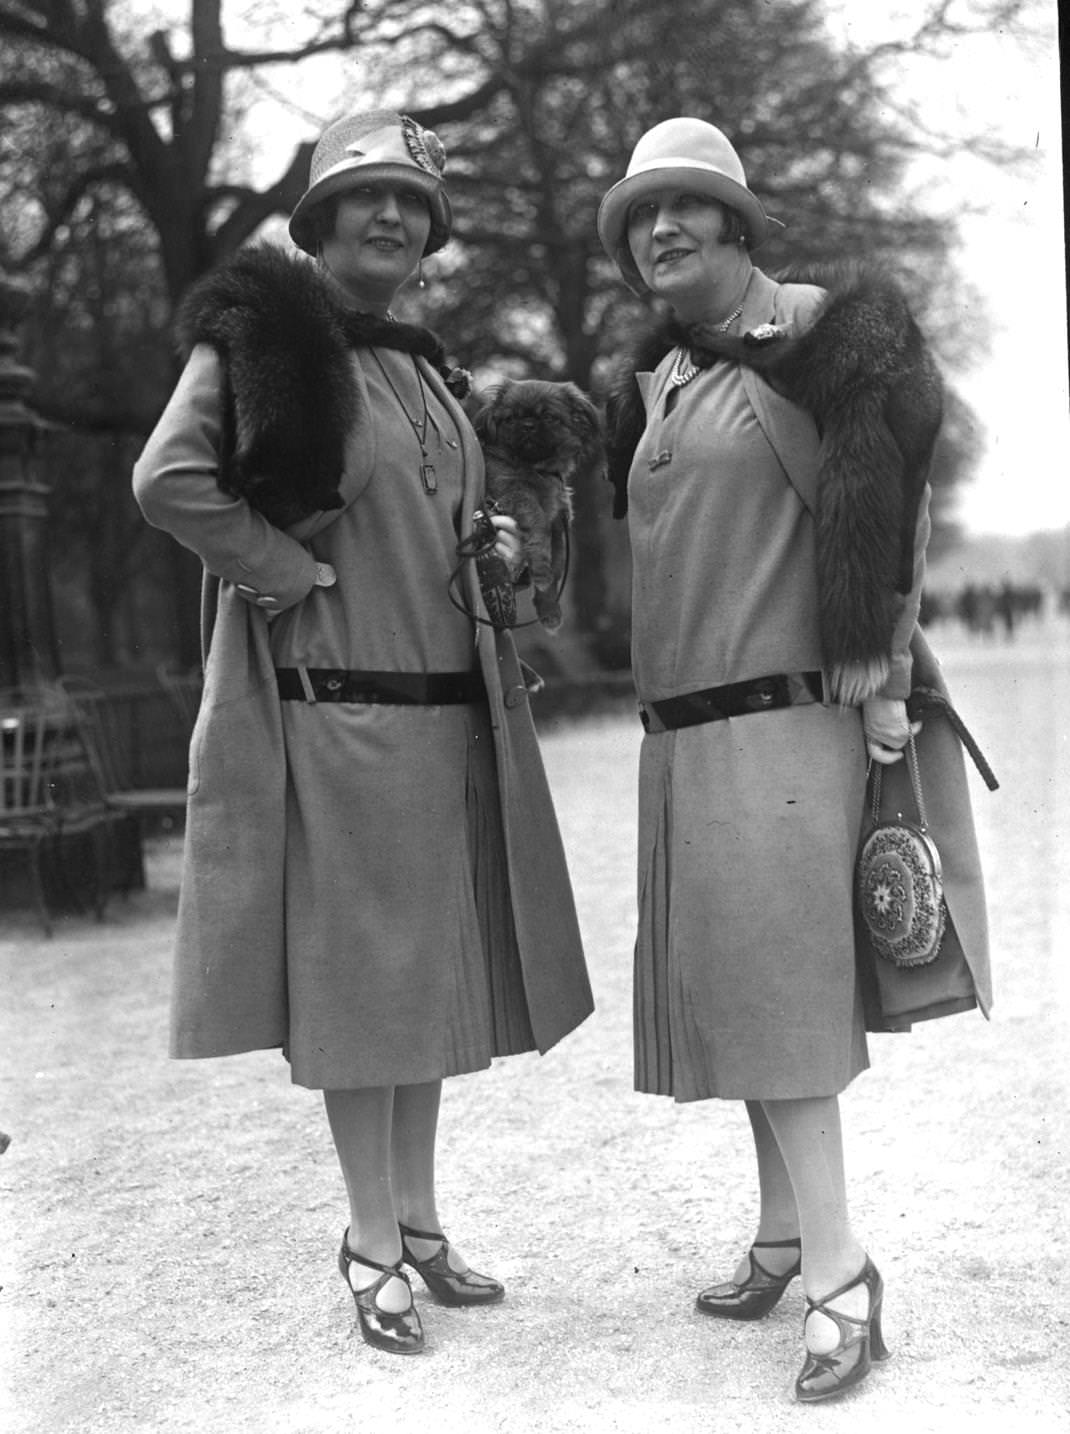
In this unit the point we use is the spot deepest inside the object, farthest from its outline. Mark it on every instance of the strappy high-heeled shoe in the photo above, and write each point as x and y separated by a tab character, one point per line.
445	1283
758	1293
861	1342
401	1332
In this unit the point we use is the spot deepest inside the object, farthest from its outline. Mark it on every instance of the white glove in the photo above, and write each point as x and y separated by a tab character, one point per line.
887	728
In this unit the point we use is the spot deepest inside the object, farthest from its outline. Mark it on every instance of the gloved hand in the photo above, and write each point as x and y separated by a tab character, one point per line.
507	543
325	578
887	728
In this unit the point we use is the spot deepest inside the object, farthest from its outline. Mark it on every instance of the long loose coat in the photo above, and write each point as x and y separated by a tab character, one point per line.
230	976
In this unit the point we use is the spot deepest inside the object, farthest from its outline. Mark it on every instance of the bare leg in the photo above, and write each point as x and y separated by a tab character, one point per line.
416	1110
361	1124
810	1138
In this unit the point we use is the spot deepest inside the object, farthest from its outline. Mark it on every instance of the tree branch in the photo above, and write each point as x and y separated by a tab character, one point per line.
253	207
65	101
114	172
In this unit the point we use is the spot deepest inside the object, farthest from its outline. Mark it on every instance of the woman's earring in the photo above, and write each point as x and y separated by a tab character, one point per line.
420	273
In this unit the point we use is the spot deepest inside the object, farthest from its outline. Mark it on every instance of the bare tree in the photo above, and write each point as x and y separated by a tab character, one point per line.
106	125
117	132
826	135
111	131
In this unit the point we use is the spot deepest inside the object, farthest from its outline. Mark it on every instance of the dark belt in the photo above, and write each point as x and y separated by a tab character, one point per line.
735	699
402	689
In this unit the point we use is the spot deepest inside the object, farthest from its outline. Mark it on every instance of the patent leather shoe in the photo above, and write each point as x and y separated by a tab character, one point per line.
446	1284
861	1342
756	1295
399	1333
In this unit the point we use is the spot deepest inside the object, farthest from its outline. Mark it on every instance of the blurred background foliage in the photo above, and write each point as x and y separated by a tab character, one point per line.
140	144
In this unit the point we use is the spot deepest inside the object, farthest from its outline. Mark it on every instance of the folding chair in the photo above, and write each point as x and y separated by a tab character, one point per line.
107	753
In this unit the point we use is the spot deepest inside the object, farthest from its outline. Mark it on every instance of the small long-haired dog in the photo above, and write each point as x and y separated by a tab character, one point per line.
538	438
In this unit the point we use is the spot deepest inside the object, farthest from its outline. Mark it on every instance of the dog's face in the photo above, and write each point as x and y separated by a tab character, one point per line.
540	423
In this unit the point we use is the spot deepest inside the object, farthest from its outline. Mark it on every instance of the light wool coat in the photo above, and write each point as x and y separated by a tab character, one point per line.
230	983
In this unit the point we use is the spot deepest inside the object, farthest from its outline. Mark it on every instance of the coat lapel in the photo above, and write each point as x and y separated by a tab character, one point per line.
472	480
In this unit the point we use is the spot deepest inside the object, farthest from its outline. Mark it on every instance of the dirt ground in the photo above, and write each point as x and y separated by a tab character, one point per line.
170	1229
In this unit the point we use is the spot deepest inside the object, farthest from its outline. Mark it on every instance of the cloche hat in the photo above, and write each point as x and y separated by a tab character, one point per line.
361	149
686	154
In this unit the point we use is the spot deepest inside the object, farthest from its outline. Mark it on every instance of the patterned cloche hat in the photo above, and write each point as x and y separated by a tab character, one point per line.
380	145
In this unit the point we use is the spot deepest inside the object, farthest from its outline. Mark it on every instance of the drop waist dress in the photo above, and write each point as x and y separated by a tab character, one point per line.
399	936
744	963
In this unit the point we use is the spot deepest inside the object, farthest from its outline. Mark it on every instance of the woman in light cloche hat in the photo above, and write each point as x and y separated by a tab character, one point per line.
374	881
770	448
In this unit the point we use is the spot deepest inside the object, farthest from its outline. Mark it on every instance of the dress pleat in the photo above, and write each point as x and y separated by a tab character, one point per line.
653	1043
498	973
420	978
744	965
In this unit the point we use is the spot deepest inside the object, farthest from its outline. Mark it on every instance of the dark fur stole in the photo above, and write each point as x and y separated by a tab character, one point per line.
864	373
289	397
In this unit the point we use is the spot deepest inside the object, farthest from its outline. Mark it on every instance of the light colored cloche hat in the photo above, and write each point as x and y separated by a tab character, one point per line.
361	149
686	154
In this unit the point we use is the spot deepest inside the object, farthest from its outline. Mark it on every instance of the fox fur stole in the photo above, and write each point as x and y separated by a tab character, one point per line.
863	372
289	397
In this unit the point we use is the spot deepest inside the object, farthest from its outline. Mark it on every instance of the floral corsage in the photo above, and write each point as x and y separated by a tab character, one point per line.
459	382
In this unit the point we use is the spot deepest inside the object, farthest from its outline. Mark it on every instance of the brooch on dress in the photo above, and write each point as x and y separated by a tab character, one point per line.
764	334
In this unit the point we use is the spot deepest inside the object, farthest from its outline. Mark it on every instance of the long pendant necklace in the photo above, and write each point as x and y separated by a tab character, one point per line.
685	368
419	425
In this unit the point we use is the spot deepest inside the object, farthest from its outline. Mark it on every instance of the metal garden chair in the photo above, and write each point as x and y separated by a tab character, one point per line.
28	818
133	806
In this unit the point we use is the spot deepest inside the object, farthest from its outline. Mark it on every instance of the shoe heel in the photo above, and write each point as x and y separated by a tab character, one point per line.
861	1342
755	1296
445	1283
878	1350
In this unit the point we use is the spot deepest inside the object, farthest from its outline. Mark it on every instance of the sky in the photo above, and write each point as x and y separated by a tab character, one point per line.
1014	254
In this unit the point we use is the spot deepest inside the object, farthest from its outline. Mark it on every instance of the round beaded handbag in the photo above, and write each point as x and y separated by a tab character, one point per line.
899	885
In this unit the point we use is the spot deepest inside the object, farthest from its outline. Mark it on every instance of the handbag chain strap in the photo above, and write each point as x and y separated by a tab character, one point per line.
915	782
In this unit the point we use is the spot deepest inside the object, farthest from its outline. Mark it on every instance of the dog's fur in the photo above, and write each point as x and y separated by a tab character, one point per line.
538	439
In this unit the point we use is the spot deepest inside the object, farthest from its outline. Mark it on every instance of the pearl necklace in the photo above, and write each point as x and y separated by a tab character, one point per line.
684	370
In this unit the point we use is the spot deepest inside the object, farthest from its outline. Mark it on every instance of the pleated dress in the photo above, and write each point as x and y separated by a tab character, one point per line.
745	981
402	961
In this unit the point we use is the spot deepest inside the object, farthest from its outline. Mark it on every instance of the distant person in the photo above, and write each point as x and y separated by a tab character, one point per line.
776	584
1007	606
374	881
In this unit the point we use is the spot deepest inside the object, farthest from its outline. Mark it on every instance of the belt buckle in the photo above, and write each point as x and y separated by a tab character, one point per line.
762	695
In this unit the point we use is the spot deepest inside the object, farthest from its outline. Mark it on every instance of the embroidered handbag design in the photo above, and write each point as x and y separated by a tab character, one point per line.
899	886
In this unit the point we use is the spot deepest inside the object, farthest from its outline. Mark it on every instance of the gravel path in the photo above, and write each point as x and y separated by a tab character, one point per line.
169	1229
